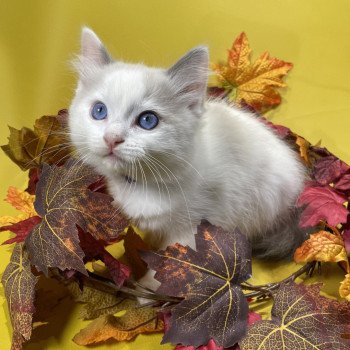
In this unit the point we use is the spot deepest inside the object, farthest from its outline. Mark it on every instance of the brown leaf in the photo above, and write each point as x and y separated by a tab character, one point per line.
208	279
322	246
133	244
19	284
64	201
255	83
301	319
47	143
126	327
96	302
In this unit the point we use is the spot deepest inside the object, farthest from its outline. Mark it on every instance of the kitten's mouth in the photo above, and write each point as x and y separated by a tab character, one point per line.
112	159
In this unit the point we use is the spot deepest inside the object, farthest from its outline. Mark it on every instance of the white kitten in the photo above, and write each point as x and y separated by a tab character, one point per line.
171	158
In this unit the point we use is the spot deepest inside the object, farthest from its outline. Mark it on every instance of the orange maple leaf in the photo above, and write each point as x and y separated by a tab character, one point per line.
323	246
21	200
251	83
135	321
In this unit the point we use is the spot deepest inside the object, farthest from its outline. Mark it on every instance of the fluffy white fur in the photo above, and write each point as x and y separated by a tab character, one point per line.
205	159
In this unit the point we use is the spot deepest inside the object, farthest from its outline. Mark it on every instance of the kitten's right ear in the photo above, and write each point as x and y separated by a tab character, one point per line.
93	49
93	54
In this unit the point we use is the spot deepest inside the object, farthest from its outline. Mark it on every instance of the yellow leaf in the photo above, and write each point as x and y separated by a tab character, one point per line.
133	322
322	246
344	289
252	83
303	149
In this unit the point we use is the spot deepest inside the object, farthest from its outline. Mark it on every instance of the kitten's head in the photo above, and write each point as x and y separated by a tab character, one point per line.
123	113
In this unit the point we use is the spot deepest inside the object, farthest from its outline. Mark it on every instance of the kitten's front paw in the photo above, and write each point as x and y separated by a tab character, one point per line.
147	281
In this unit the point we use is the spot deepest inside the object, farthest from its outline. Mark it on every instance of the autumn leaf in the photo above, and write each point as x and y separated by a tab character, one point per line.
19	284
301	319
322	203
346	239
46	143
23	223
210	346
255	83
133	244
64	201
328	169
21	229
95	250
96	302
22	201
135	321
344	289
208	279
252	318
303	146
322	246
343	184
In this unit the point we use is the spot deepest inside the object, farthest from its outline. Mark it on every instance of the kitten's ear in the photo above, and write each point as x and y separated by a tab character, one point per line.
93	56
93	49
190	75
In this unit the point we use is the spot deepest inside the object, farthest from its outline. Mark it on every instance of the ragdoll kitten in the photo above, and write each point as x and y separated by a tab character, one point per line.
172	158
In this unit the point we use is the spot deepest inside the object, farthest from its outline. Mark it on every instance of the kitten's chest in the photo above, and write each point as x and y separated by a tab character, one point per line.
150	206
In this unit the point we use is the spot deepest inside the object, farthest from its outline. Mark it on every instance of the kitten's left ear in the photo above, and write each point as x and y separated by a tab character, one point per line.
190	75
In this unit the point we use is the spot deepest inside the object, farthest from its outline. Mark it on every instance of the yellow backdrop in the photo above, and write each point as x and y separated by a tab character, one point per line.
37	38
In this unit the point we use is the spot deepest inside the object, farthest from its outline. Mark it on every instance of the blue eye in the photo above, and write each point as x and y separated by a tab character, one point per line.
148	120
99	111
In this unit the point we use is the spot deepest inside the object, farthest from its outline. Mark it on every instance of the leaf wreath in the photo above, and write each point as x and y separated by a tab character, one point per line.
208	279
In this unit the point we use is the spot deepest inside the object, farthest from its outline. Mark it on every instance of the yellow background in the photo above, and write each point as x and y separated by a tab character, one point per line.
37	38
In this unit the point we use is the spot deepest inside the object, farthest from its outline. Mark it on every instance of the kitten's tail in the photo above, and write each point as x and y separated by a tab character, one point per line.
282	241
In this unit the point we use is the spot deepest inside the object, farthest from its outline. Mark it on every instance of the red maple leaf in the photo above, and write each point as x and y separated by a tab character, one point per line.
322	204
21	229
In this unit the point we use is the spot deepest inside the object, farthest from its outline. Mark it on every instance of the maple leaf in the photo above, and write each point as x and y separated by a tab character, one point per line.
34	174
208	279
23	223
254	83
21	229
328	169
64	201
96	302
346	239
322	246
95	249
343	184
304	147
135	321
19	284
344	289
301	319
252	318
322	203
21	200
47	143
133	244
210	346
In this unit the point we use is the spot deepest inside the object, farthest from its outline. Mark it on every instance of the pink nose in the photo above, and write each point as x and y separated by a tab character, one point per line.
113	141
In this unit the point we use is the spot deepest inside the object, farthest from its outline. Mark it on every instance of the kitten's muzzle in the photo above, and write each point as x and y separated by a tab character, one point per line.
112	141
